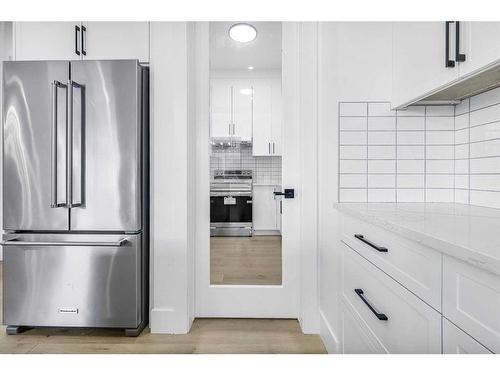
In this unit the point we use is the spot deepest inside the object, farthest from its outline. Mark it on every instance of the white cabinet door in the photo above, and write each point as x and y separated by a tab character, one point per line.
242	110
264	208
419	60
116	40
481	45
47	40
276	116
262	119
220	108
456	341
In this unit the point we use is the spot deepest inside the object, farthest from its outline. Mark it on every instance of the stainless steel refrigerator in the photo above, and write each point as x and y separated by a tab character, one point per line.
75	194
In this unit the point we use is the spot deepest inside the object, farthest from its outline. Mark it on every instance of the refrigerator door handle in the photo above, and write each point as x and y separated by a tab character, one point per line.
53	147
69	151
15	242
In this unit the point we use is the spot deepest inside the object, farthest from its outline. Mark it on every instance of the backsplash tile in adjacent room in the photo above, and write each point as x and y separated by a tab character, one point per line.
421	154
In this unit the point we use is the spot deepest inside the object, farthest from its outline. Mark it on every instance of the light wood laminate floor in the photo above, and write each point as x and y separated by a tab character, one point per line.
245	260
215	336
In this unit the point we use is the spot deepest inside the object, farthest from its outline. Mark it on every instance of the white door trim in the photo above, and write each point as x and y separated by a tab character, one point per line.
297	298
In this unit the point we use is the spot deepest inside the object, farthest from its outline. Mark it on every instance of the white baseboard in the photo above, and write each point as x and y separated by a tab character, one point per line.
329	338
169	321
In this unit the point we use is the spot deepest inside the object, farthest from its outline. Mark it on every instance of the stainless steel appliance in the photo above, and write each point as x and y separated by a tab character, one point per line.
75	195
231	203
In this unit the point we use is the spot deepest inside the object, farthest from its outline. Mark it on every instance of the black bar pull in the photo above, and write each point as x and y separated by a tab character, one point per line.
447	62
371	244
77	31
459	57
380	316
84	31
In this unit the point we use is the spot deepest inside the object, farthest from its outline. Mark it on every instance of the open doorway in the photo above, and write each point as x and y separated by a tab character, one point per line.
245	153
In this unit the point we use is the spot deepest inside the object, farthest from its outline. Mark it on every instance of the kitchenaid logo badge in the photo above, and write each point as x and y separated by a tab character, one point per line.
68	311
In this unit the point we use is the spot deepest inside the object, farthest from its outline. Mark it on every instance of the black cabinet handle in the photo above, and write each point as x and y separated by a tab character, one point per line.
84	31
447	62
77	31
380	316
371	244
459	57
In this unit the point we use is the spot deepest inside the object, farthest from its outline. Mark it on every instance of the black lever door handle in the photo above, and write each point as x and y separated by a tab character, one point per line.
288	193
380	316
448	63
371	244
459	57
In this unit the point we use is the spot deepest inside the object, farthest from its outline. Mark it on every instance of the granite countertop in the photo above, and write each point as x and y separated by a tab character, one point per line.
469	233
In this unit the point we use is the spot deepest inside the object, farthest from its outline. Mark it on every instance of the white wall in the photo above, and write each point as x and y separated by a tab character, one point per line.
172	177
355	63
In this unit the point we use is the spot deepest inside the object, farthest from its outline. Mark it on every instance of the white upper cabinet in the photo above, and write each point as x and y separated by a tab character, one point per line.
267	118
220	108
480	44
242	110
419	63
116	40
47	40
81	40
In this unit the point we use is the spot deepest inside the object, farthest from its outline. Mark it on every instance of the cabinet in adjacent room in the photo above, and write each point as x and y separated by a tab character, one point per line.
266	208
267	118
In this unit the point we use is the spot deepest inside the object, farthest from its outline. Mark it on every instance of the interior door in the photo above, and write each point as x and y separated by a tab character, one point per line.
220	108
34	145
106	146
242	110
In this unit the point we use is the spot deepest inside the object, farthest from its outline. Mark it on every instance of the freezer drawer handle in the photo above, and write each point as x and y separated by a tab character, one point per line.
380	316
15	242
371	244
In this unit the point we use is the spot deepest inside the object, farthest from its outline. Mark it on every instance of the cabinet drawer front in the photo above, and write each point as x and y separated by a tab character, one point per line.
411	326
456	341
471	300
357	338
416	267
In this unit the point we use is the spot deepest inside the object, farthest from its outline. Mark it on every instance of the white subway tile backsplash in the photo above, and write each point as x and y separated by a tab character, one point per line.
423	154
411	138
380	109
440	152
381	166
440	166
353	152
353	123
485	115
485	132
353	109
440	123
411	152
440	137
411	123
381	123
353	180
381	181
381	138
353	166
381	152
353	138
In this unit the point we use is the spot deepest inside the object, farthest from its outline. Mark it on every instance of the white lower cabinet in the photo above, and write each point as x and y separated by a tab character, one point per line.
456	341
400	321
266	208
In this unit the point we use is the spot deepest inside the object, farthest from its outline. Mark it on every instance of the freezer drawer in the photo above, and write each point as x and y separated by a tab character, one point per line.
72	280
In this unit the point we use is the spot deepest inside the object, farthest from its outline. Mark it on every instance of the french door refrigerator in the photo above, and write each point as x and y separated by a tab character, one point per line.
75	194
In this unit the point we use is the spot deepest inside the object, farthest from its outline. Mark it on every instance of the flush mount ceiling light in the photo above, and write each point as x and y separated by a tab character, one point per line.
242	32
250	68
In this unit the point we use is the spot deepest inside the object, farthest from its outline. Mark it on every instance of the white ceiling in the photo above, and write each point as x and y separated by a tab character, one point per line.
263	53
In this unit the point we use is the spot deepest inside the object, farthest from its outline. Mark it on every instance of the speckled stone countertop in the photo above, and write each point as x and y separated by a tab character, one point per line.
469	233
